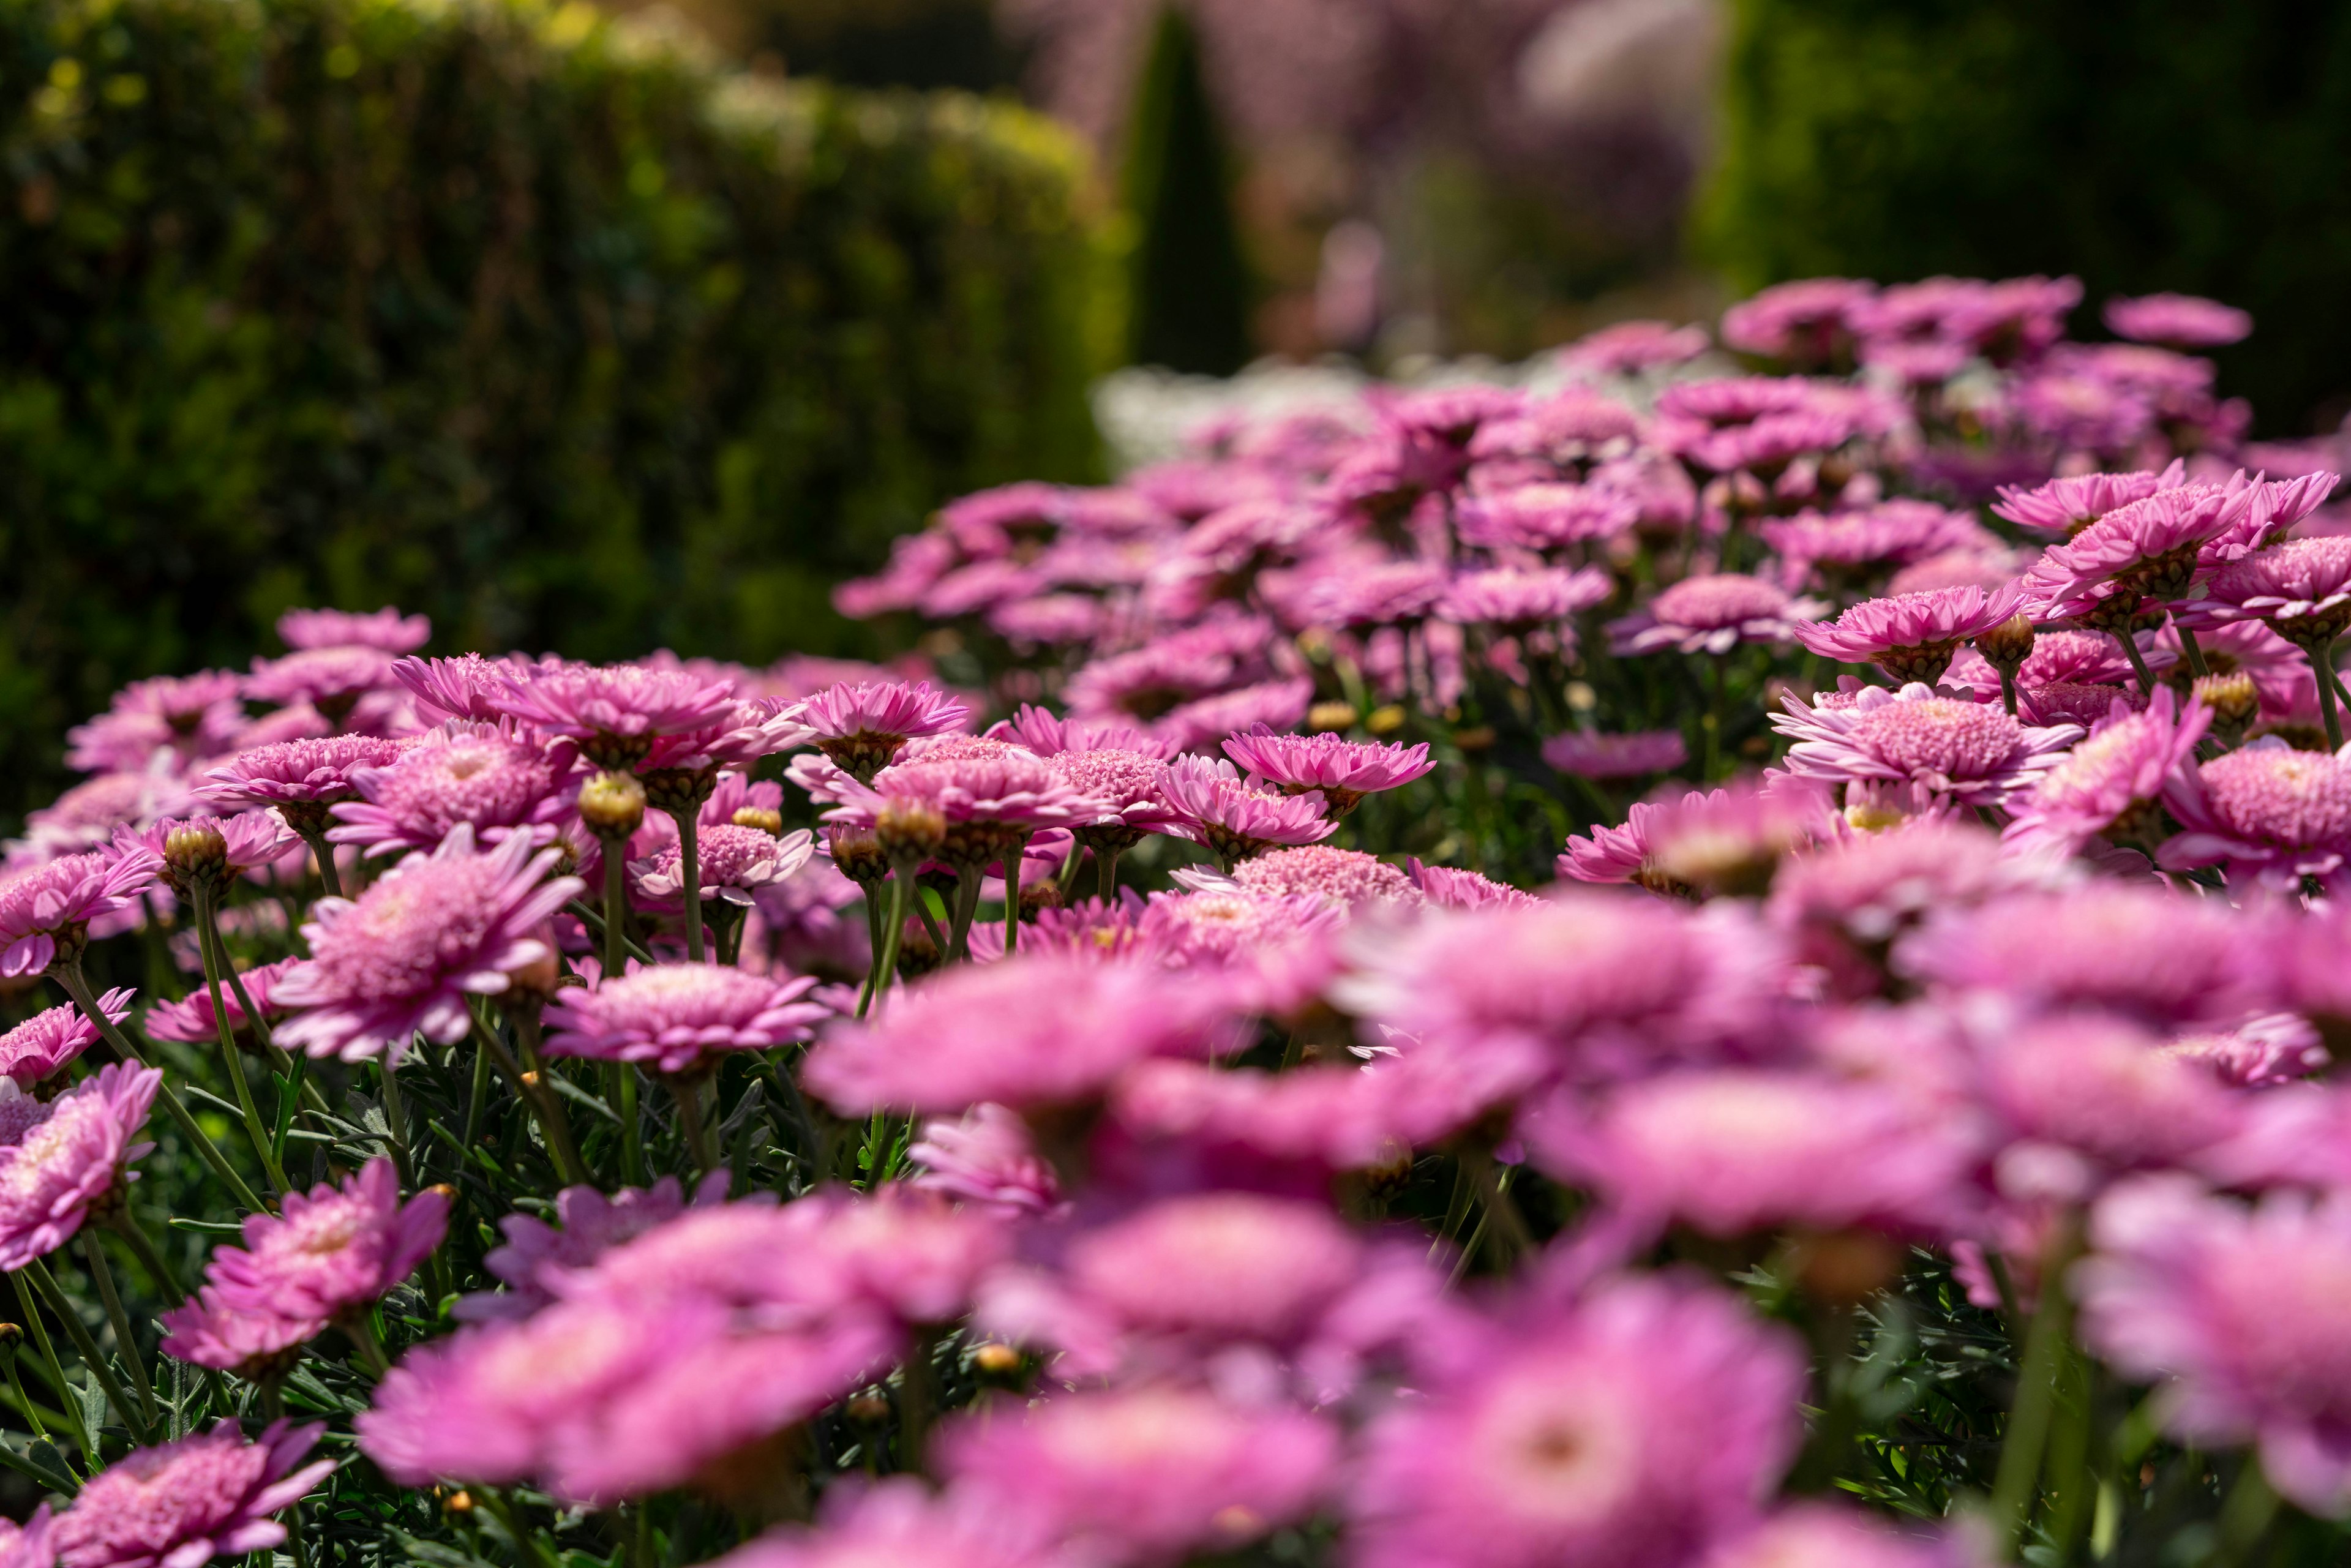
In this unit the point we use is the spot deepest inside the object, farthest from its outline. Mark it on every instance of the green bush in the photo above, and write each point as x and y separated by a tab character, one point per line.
541	325
2142	144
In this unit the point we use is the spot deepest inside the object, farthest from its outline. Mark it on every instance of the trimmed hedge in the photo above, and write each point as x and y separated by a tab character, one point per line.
2144	144
541	325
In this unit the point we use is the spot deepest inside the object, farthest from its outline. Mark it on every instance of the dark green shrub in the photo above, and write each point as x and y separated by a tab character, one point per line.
2142	144
497	312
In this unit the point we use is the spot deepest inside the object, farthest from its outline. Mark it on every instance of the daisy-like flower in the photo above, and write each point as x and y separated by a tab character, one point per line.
1911	636
61	1158
1846	902
536	1257
1823	1535
333	1252
1807	324
183	1503
2178	320
1628	348
1347	877
1370	592
986	1156
386	628
2301	589
989	794
1212	805
1642	1427
1842	549
899	1522
861	725
1521	600
2111	784
1277	705
461	687
1343	770
2266	813
299	778
331	680
84	817
2059	657
405	956
190	1020
2234	1314
1968	752
1632	755
1125	786
735	863
1620	854
204	1331
1267	952
1150	1474
1712	614
679	1017
193	715
615	711
2104	1092
209	851
2064	508
41	1046
494	783
1546	516
2152	551
46	910
1451	887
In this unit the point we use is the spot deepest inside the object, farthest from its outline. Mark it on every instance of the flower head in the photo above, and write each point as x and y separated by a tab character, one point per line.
1806	323
861	725
41	1046
405	956
536	1258
2111	783
330	679
2062	508
299	776
986	1157
677	1018
613	711
2301	588
2270	815
1712	614
204	1331
1628	756
191	1020
209	851
210	1494
1343	770
898	1523
1349	878
192	715
1628	348
1546	516
1211	805
386	628
1518	600
1842	545
331	1253
735	862
47	908
1911	636
1970	752
497	784
1845	900
1825	1535
59	1158
2178	320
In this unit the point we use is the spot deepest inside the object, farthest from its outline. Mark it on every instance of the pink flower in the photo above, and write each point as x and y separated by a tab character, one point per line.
193	715
1628	348
1211	805
1807	323
1147	1475
333	1253
461	687
492	782
42	1045
1035	1031
2270	815
47	908
1546	516
2178	320
386	628
742	735
989	789
679	1017
2059	657
861	726
2106	1091
735	862
331	680
1844	901
2064	508
1050	736
1828	1535
2301	588
190	1019
403	959
1522	599
2235	1315
1911	636
986	1157
898	1523
1277	705
614	711
1344	770
2259	1053
1125	786
536	1258
183	1503
1363	593
1712	614
1968	752
1642	1427
250	841
298	777
257	1345
1450	887
84	817
2111	783
1349	878
1840	547
60	1156
1628	756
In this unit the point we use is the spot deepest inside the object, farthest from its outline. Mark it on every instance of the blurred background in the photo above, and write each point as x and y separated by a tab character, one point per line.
606	328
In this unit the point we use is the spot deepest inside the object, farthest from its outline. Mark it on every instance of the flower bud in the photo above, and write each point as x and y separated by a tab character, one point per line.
857	855
1386	720
11	1334
613	805
195	855
2233	699
767	819
1330	716
2007	645
996	1359
909	829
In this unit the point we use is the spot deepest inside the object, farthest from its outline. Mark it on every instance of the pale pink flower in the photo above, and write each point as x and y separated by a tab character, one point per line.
680	1018
193	715
1212	805
257	1345
613	711
386	628
1546	516
1911	636
536	1258
1349	878
1968	752
2178	320
1343	770
183	1503
2259	1053
298	777
1519	600
1451	887
1632	755
2111	782
1628	348
191	1020
1845	900
2267	814
2062	508
2106	1091
735	862
331	1253
59	1158
42	1045
861	725
986	1157
898	1523
331	680
1807	323
461	687
1124	784
48	907
492	782
2301	588
1712	614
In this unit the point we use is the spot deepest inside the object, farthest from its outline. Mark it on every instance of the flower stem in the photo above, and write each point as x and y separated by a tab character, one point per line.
616	909
2008	691
359	1327
552	1125
333	879
2322	669
395	1121
1012	858
67	1405
689	864
622	1079
687	1088
967	904
1105	873
32	1412
2022	1447
103	1277
885	955
208	945
2246	1513
87	1348
135	1236
2137	662
2193	649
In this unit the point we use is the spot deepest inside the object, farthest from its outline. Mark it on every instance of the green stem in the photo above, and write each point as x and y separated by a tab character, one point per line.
2322	668
1105	875
687	1088
616	908
477	1096
967	904
2137	662
621	1077
2245	1516
689	864
208	947
359	1327
2008	691
395	1122
316	838
87	1348
1012	858
552	1126
16	1386
885	957
918	1402
103	1277
524	1540
2194	650
2022	1447
68	1404
134	1236
588	915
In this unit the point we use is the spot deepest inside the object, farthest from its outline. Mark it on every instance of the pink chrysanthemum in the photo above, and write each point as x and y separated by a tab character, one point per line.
739	737
986	1157
2062	508
2059	657
1825	1535
1612	854
331	680
1628	348
492	782
2111	784
2104	1092
190	1020
192	715
536	1258
1839	547
43	1044
735	863
1125	784
1269	952
331	1253
183	1503
60	1157
1367	593
898	1523
2153	550
989	794
1845	900
1712	614
1911	636
2269	814
1641	1427
2301	588
1729	840
678	1018
404	959
1050	736
1633	754
2259	1053
84	817
1196	725
461	687
613	711
1212	805
1807	322
2234	1314
47	908
1349	878
861	726
1451	887
1546	516
296	776
2178	320
1519	600
1344	770
386	628
1148	1475
1968	752
202	1330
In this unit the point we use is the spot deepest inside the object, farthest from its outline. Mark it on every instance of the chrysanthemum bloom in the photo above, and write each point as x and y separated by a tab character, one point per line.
1986	569
1712	614
1213	806
1825	1535
1628	348
1147	1475
2064	508
2150	552
735	863
1911	636
1267	952
41	1046
331	1253
1278	705
331	680
986	1157
2269	815
1846	901
1644	1426
84	817
403	959
990	797
615	712
46	910
191	1020
1546	516
300	777
2178	320
1451	887
1621	853
2106	1091
536	1257
1632	754
1519	599
2259	1053
2062	656
2140	952
497	784
209	852
204	1331
1368	592
1968	752
1125	785
861	726
899	1523
1731	841
192	715
1347	877
2235	1315
211	1494
63	1157
1842	549
1343	770
2301	589
1732	1153
679	1017
1043	1031
2111	784
1807	323
386	628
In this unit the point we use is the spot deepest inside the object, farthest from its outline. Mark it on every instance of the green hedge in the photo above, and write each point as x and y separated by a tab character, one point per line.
2142	143
499	311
